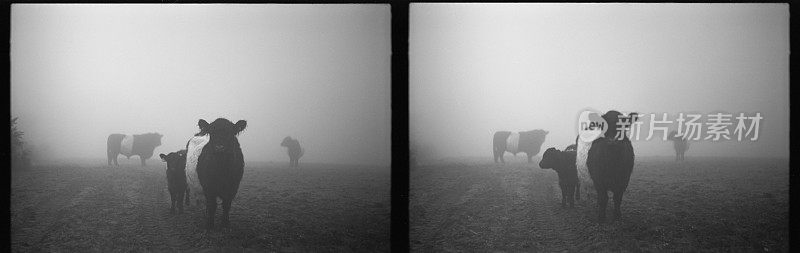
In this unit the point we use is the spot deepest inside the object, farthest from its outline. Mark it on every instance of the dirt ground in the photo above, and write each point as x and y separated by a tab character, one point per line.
94	208
701	204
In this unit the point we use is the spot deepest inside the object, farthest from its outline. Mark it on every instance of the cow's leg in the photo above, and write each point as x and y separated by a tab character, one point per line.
617	203
563	195
172	203
226	208
109	158
187	196
602	201
529	157
113	157
179	199
211	209
571	195
578	190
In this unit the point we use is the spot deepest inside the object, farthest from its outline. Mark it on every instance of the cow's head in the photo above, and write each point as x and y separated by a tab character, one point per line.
222	134
613	118
551	159
176	161
286	141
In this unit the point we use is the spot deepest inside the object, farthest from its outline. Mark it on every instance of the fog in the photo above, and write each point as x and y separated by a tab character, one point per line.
480	68
318	73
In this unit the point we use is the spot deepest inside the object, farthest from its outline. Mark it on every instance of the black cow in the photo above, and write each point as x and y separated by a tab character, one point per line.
680	143
176	178
220	165
563	162
529	142
610	163
294	149
142	145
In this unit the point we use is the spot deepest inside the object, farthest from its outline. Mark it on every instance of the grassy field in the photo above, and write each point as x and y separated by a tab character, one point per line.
89	207
701	204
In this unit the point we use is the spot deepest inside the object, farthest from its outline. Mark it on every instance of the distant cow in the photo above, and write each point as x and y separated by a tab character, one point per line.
563	162
220	165
610	163
529	142
294	149
680	143
142	145
176	178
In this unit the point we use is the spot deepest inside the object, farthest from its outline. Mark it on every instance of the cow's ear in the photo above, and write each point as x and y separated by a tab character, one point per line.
240	126
634	116
203	124
163	157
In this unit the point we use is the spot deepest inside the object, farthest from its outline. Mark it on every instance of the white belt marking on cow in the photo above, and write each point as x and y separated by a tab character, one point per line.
193	151
512	143
581	155
126	146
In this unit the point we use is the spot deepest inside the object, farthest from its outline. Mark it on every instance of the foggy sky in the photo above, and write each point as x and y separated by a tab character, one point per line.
480	68
320	73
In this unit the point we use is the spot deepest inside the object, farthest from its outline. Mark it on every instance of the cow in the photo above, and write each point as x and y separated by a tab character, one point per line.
176	178
220	165
528	142
563	162
609	161
680	143
294	150
142	145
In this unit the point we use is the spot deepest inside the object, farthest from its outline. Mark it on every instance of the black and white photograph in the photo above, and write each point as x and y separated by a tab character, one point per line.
200	127
567	127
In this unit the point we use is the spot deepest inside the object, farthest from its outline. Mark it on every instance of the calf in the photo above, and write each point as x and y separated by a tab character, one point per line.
176	178
563	162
